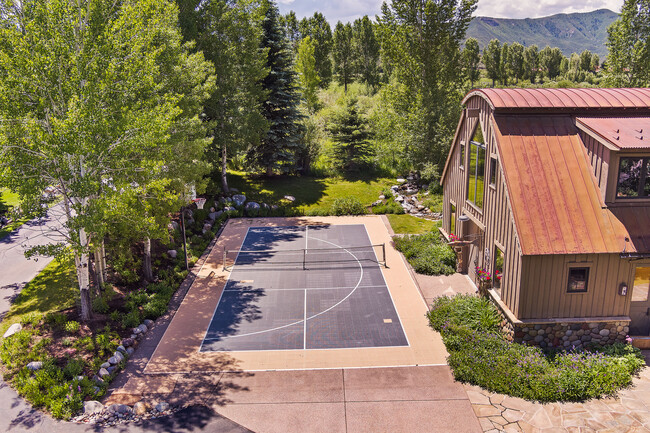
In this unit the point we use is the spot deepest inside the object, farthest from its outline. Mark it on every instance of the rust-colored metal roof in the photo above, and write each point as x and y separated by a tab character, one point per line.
564	99
637	221
621	132
554	197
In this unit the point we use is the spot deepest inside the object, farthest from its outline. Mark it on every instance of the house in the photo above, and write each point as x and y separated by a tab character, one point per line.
549	191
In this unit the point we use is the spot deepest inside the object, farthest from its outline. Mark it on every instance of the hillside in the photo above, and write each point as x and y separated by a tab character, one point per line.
572	33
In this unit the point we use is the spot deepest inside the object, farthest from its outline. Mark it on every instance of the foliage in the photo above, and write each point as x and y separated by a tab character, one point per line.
343	53
366	51
352	151
347	206
628	40
470	60
479	354
72	327
318	28
306	68
390	207
492	60
427	253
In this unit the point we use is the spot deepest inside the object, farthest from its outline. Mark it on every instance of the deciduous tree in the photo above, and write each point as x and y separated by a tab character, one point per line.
344	54
306	67
628	40
471	58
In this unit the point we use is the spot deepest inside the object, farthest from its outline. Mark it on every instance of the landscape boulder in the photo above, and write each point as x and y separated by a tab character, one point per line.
92	407
35	365
162	406
239	199
103	373
148	322
172	253
16	327
120	409
140	408
143	328
289	197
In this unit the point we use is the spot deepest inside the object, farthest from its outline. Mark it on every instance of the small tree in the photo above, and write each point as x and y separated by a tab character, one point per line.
343	54
471	59
531	63
306	67
352	151
516	61
492	60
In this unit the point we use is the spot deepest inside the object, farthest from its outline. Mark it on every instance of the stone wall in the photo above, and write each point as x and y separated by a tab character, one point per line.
563	333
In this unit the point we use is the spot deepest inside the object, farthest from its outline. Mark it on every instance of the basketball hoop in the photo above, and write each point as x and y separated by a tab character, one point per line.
200	202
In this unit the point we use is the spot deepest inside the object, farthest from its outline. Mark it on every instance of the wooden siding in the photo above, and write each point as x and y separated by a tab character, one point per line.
599	157
544	285
495	217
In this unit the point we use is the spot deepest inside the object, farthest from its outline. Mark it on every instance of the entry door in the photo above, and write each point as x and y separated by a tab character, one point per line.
640	305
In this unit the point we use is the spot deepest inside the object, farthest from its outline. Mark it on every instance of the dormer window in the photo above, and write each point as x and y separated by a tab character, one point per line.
633	177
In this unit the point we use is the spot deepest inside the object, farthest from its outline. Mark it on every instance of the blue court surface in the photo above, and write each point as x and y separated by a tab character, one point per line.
305	287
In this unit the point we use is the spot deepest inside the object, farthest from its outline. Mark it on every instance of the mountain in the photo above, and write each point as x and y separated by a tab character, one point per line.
572	33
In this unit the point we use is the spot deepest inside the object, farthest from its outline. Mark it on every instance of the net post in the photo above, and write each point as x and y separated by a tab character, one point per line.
304	259
383	253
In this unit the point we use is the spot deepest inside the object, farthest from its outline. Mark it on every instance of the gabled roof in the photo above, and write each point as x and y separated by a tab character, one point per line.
555	200
564	99
619	132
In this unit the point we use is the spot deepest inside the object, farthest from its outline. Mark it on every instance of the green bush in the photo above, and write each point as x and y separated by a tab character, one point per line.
155	308
427	253
73	368
131	319
100	305
347	206
480	355
32	319
115	316
391	207
72	327
56	320
433	202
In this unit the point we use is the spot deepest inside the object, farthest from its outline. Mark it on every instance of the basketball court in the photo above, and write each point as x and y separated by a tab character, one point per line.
299	293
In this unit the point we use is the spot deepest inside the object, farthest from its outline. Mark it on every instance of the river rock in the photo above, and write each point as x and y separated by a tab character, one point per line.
120	409
92	407
401	180
162	406
289	197
143	328
127	342
239	199
399	199
16	327
252	205
129	351
140	408
121	349
103	373
148	322
172	253
382	197
229	209
105	365
35	365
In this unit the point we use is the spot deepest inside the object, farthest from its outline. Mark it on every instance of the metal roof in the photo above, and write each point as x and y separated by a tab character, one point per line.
554	197
637	220
620	132
564	99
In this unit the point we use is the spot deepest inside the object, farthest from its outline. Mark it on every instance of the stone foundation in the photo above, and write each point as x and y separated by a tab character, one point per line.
564	333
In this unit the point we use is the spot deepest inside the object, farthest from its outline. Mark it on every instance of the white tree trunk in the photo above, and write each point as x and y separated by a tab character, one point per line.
148	272
83	277
99	274
224	170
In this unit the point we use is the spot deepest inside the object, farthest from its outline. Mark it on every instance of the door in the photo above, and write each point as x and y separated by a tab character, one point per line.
640	306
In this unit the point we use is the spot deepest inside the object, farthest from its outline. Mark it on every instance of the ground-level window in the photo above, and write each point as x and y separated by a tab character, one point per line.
578	280
498	269
633	177
493	171
452	220
476	175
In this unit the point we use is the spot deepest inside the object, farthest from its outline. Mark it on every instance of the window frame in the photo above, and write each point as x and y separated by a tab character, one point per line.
461	163
452	217
494	166
479	146
576	266
643	181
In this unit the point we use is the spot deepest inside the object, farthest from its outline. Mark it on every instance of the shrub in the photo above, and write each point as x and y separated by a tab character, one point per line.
433	202
347	206
56	320
73	368
105	343
155	308
479	354
391	207
427	253
31	319
131	319
115	316
100	305
72	327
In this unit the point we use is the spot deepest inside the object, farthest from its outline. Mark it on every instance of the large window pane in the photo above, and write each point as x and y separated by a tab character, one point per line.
641	284
452	220
471	193
646	187
476	169
498	269
629	177
480	177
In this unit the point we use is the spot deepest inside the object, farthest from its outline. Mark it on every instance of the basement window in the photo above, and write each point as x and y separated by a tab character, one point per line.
633	177
578	280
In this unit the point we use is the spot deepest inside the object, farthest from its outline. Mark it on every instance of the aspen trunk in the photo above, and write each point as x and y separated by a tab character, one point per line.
83	277
224	169
99	274
148	272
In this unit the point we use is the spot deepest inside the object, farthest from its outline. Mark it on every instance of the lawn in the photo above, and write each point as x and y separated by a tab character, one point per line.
408	224
53	289
9	199
311	193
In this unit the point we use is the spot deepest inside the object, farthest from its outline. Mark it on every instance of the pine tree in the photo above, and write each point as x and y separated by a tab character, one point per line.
352	151
279	147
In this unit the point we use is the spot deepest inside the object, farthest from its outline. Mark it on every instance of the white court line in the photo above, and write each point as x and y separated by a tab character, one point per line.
309	318
305	288
304	327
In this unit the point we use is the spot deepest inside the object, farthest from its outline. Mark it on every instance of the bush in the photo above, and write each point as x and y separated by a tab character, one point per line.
72	327
131	319
32	319
155	308
480	355
392	207
100	305
73	368
347	206
433	202
427	253
56	320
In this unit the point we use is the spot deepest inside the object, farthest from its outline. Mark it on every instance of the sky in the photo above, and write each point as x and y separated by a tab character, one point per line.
347	10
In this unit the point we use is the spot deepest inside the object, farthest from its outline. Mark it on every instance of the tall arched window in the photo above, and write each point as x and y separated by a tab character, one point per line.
476	172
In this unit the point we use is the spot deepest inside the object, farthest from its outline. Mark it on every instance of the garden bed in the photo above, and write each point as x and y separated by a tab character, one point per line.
428	254
480	355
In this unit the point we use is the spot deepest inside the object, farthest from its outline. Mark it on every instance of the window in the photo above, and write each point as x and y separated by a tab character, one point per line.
476	182
462	155
578	280
633	177
493	171
498	269
452	220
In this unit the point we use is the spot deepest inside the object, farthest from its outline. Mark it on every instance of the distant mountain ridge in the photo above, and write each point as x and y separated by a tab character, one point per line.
572	33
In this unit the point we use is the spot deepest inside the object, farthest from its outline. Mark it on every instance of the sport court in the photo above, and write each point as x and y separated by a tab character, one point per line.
305	287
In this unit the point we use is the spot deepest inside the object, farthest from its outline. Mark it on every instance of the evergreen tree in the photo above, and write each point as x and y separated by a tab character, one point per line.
282	143
471	59
343	54
352	151
628	40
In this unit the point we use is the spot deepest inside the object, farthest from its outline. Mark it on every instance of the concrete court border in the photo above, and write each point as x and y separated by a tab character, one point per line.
177	352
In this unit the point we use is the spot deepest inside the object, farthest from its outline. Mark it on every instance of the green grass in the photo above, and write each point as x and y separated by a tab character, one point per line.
312	194
408	224
53	289
9	199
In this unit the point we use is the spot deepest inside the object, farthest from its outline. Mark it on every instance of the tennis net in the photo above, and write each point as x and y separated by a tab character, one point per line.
306	258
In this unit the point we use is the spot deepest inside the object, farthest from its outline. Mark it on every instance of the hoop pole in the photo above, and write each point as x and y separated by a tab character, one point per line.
225	254
383	253
304	259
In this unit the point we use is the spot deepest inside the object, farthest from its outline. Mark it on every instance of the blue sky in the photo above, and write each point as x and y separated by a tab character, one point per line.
346	10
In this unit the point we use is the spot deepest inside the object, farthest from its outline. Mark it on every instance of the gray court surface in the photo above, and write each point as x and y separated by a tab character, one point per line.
305	287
